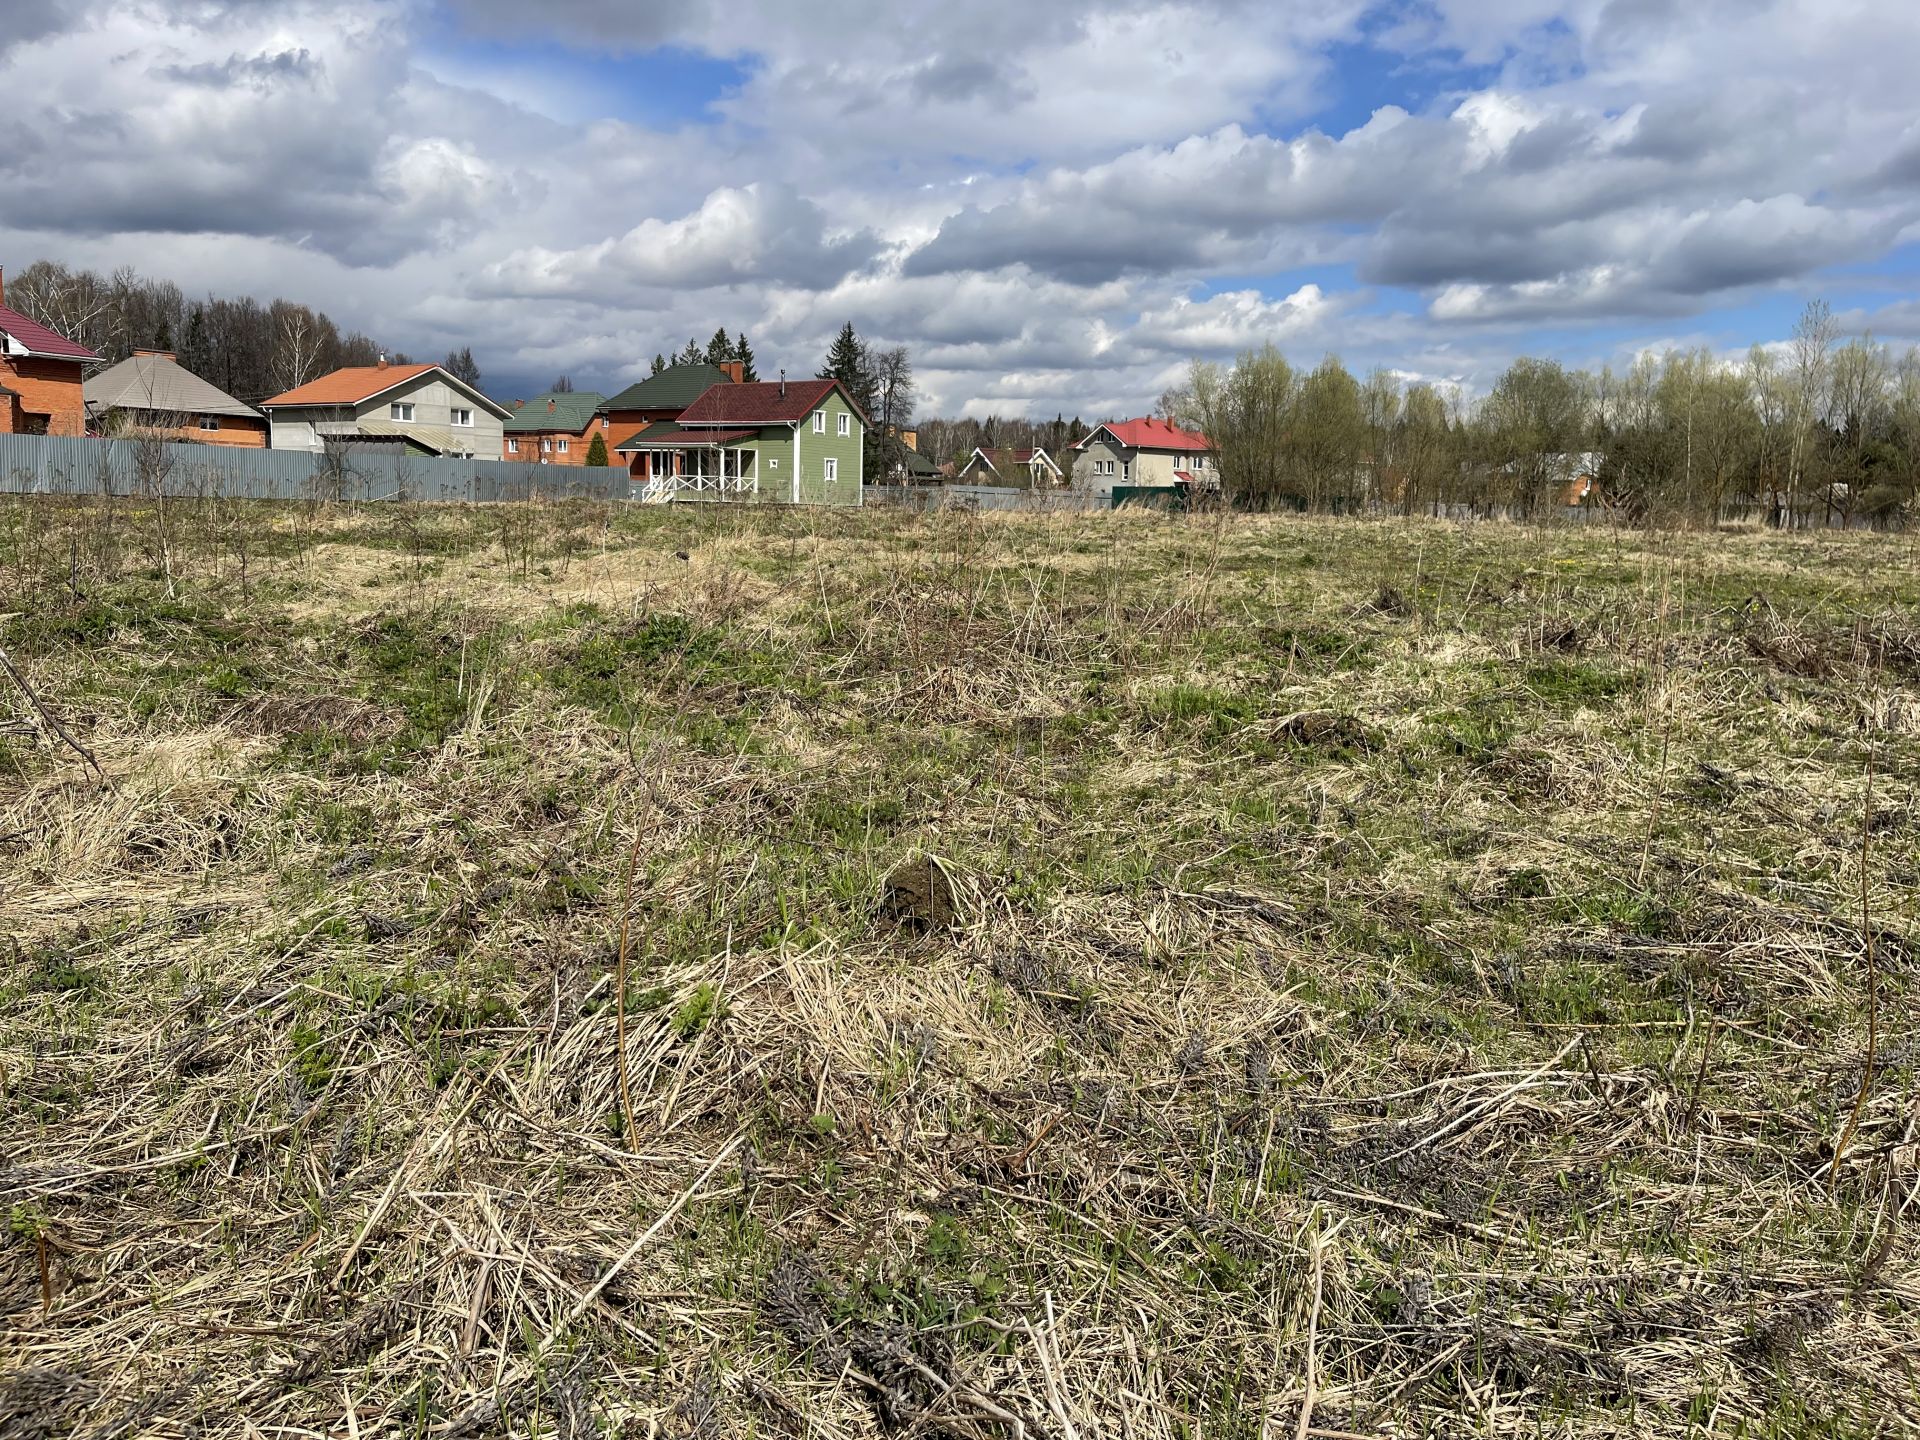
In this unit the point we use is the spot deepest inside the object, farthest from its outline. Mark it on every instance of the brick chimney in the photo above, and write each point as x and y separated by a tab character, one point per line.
381	364
551	402
736	370
158	354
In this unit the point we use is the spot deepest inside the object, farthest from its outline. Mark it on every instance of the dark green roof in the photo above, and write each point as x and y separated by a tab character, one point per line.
674	388
572	409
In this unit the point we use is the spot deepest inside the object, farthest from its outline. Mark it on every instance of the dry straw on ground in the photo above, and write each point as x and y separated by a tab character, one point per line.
1085	975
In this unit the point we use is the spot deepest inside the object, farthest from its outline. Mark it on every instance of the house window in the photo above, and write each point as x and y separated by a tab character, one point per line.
846	423
463	417
819	422
513	447
833	470
400	410
1126	471
563	447
209	422
545	446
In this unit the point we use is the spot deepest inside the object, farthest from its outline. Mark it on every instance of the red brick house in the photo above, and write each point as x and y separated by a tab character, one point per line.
40	378
659	400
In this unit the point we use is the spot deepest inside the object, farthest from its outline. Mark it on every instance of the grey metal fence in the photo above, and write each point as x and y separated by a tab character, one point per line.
59	465
981	497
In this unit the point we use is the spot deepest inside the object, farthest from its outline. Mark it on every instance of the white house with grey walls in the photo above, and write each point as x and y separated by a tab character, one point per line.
420	408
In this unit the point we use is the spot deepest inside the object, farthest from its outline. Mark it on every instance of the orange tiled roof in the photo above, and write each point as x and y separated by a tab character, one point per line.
348	386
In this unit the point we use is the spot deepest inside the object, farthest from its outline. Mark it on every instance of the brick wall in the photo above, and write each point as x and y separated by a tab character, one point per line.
42	387
530	452
236	432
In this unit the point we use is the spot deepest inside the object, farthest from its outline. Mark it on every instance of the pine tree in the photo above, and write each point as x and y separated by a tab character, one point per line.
692	355
462	366
847	362
597	449
659	363
743	352
719	349
850	364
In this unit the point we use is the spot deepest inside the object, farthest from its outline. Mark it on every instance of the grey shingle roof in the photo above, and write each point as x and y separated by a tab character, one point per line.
674	388
155	383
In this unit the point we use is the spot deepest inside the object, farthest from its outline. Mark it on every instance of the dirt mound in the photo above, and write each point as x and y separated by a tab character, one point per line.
919	895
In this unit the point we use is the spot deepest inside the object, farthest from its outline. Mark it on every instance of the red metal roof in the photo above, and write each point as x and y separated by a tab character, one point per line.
39	340
1152	435
762	403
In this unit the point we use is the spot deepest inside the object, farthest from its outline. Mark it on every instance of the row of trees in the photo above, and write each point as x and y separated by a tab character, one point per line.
248	349
1815	431
720	350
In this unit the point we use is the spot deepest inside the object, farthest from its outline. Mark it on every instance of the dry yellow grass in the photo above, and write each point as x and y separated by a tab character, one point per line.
1399	980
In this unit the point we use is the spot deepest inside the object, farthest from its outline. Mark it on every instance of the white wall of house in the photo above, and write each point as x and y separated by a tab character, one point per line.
1105	463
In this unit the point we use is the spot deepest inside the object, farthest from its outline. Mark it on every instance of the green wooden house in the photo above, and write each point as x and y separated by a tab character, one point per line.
795	442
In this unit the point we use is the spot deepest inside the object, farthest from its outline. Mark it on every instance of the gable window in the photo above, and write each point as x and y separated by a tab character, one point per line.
209	422
400	410
833	470
819	422
846	423
462	417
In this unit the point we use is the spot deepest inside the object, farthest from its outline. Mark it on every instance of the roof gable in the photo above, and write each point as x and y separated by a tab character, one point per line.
355	384
765	402
1149	434
36	339
674	388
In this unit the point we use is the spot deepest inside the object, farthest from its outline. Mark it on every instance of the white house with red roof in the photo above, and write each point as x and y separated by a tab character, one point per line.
1143	452
42	377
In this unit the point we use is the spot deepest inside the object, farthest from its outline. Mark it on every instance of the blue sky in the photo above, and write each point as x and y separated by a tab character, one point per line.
1056	208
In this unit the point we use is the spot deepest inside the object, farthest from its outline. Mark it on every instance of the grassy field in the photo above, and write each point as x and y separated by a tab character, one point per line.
698	972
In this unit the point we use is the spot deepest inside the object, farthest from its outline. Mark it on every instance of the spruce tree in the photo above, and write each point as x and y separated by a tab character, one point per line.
692	355
719	349
597	449
743	352
659	363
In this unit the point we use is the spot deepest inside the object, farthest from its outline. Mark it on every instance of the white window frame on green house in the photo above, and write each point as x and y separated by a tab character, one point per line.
819	422
846	424
832	475
401	410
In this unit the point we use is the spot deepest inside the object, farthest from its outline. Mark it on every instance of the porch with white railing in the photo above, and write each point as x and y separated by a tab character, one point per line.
683	465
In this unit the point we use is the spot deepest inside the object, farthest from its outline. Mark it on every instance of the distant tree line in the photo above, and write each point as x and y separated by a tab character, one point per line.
1812	432
943	441
249	349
